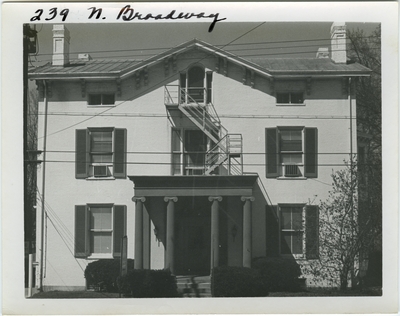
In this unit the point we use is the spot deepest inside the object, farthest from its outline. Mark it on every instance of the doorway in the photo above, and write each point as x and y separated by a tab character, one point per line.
193	240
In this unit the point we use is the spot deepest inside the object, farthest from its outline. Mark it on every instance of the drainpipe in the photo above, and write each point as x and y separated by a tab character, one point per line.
42	213
352	276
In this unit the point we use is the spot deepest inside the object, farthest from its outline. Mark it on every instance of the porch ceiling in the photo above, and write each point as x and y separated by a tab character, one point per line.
193	185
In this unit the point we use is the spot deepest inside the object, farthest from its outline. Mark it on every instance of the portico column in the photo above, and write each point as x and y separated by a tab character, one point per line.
138	263
170	246
247	230
215	230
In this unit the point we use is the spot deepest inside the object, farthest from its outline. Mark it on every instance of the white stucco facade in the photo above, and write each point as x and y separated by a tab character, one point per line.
245	106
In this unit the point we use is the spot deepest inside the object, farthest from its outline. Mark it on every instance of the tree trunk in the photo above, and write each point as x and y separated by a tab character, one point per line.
343	279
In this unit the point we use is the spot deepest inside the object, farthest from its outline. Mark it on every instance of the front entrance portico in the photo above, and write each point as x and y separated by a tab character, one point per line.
195	220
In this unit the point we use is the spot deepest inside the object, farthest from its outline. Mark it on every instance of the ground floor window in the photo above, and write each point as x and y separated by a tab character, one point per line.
99	229
299	230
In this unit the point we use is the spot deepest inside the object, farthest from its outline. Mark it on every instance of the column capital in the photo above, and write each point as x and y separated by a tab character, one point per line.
215	198
139	199
247	198
170	198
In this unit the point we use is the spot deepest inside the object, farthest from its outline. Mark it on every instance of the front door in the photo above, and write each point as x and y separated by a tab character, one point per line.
193	238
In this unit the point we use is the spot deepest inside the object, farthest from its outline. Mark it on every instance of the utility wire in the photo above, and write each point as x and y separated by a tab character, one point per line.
239	116
180	164
231	44
61	229
146	56
191	152
142	93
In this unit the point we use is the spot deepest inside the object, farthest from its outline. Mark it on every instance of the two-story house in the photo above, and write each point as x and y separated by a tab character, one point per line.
200	157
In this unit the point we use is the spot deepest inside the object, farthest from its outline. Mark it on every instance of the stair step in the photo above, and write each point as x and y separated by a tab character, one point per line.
194	286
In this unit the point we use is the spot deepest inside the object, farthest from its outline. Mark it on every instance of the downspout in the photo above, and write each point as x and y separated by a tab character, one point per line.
352	276
42	215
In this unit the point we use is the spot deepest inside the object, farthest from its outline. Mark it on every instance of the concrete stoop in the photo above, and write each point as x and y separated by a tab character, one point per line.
194	286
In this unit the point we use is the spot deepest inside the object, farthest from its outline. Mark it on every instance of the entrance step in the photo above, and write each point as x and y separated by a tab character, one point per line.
194	286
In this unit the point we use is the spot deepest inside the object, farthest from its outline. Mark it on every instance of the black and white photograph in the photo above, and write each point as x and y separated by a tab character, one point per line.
173	157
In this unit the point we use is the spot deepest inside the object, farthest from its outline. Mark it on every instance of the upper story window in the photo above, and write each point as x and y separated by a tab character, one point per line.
299	230
100	153
101	99
99	229
196	85
290	98
291	152
189	148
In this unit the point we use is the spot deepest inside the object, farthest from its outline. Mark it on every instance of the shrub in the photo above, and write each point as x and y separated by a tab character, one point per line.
237	282
102	274
148	283
279	274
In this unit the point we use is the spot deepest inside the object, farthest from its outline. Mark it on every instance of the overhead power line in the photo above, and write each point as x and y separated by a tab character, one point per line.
237	44
145	91
239	116
181	164
146	56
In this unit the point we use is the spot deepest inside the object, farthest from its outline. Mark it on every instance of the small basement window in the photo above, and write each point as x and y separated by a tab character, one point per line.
101	99
289	98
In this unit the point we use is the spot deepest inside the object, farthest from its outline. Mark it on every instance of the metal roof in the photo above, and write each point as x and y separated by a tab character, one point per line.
118	68
306	65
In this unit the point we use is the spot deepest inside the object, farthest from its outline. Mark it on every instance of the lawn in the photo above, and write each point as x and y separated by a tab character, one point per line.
75	294
375	291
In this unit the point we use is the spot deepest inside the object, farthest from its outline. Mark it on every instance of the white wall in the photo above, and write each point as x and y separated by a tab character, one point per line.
142	112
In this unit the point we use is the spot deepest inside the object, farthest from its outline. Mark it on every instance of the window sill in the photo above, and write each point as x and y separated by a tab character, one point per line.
100	178
291	178
290	104
101	106
297	256
100	256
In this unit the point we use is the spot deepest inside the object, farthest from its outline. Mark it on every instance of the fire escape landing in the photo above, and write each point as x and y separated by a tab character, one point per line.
225	157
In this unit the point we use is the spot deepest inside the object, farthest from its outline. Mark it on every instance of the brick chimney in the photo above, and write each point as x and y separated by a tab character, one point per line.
338	42
60	45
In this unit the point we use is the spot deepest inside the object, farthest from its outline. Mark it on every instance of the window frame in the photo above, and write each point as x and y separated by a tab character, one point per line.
108	165
290	103
99	255
102	96
273	161
83	231
301	152
302	230
84	153
184	168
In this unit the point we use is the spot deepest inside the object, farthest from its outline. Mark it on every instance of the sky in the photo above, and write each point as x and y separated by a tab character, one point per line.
143	40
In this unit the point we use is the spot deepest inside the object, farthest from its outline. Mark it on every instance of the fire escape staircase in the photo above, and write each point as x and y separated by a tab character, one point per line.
227	149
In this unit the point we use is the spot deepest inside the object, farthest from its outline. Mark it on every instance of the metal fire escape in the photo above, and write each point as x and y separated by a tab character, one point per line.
226	154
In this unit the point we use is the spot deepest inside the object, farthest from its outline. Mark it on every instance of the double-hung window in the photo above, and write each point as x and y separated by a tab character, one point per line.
189	148
291	152
99	229
299	230
100	153
290	98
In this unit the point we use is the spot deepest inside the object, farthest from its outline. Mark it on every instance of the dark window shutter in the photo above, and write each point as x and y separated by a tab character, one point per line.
120	153
311	152
82	155
81	231
272	154
182	82
209	86
273	231
119	229
312	231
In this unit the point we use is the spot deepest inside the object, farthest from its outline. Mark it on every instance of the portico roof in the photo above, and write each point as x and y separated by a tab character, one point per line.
193	185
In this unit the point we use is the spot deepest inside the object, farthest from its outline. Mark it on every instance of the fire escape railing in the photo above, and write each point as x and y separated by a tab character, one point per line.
194	103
